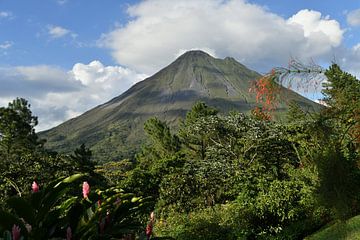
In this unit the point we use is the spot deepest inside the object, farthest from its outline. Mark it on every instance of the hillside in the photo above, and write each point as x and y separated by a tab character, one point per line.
349	230
114	130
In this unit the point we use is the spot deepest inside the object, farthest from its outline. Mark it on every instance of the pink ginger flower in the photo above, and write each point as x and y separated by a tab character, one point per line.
35	187
148	230
15	232
68	233
86	189
152	216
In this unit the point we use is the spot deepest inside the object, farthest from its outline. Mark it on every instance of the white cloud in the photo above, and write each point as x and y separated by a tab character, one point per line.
353	17
61	2
57	31
42	73
160	29
313	23
57	95
5	45
6	14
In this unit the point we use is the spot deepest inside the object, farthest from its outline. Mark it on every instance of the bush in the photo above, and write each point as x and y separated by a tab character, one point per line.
213	223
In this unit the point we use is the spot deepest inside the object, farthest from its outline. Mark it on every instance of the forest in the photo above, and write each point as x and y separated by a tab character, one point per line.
216	176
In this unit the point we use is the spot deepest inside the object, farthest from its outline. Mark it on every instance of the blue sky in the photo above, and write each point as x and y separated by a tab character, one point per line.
67	56
28	26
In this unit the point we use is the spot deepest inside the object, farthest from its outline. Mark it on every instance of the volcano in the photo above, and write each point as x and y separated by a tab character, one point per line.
114	130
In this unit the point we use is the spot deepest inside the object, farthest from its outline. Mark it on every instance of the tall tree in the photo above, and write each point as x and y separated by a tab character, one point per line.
342	95
17	128
193	132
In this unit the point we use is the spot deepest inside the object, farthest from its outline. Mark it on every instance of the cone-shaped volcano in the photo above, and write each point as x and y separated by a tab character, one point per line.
114	130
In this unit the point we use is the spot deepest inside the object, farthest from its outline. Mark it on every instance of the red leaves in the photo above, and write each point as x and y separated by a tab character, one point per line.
260	114
267	91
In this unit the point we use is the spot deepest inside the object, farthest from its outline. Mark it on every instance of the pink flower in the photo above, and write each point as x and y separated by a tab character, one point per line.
148	230
68	233
86	189
15	232
35	187
152	216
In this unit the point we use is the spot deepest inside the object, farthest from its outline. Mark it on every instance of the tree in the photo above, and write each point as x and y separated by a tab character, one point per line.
337	134
17	129
24	159
163	143
160	156
342	95
20	149
193	132
247	164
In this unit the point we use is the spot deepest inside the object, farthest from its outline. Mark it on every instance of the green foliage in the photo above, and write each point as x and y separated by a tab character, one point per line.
40	210
343	98
115	214
23	158
348	230
339	179
273	206
254	166
207	224
164	143
336	144
194	130
216	177
17	133
51	211
115	172
20	149
295	112
199	110
280	180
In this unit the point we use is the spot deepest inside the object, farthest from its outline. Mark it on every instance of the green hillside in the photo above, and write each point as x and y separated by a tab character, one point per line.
349	230
114	130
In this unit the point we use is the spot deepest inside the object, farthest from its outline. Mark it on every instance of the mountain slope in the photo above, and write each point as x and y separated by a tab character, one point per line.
114	130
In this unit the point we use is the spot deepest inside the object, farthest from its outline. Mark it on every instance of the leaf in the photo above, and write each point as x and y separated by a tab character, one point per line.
22	208
7	235
71	179
8	220
55	193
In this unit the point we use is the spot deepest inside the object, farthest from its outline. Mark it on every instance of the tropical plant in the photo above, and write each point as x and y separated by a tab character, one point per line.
53	212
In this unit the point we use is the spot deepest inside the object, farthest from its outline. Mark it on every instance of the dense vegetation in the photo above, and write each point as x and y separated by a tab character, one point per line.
217	176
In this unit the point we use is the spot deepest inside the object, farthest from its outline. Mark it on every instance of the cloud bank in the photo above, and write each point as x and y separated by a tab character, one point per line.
159	29
57	95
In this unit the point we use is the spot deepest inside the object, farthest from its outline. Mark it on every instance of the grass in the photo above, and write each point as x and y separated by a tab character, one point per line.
340	230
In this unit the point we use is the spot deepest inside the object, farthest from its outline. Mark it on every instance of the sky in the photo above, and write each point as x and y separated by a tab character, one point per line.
68	56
